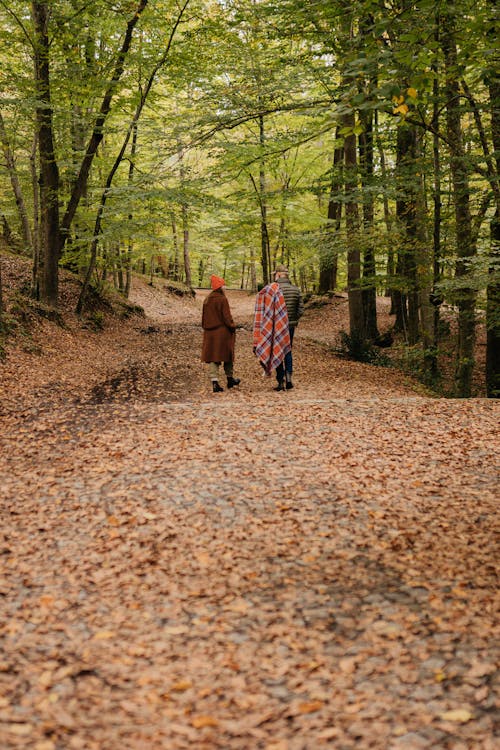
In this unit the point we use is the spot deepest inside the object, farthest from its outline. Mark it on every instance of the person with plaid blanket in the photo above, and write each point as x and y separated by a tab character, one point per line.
271	337
295	309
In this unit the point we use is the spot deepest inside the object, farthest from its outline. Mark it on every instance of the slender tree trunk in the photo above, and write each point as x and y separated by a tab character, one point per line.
175	241
406	296
435	298
119	269
425	274
130	244
130	131
328	261
390	268
1	296
163	263
35	278
355	297
98	131
369	270
185	218
185	239
252	272
465	295
493	289
49	173
264	235
243	268
16	187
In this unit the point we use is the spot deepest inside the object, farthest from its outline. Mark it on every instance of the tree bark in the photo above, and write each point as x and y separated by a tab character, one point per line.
431	361
465	296
328	261
355	297
16	187
493	288
406	211
50	246
185	219
35	278
175	255
369	269
130	243
264	234
390	269
185	244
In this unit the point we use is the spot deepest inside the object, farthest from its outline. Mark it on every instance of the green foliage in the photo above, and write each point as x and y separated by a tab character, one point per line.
360	350
96	320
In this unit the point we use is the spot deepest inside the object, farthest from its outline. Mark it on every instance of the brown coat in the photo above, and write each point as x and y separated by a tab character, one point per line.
218	329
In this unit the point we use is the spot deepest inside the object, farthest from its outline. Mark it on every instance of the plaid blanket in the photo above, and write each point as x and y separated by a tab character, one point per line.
271	338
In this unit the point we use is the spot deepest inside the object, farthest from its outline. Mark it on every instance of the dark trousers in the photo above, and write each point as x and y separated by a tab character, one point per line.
288	362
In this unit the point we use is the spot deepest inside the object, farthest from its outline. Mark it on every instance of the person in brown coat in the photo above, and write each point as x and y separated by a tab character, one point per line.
218	335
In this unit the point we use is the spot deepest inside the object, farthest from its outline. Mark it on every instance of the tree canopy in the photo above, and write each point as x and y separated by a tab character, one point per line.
357	142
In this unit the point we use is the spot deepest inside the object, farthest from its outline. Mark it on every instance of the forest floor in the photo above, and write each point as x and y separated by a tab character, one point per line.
246	570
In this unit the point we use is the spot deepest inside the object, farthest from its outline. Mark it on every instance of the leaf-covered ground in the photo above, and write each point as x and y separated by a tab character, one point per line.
246	570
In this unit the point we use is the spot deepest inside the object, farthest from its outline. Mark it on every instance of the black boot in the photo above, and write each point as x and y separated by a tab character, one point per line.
280	386
289	383
216	387
232	381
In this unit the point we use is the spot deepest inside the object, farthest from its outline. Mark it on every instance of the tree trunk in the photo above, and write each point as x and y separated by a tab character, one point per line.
16	187
264	235
185	241
465	296
98	132
50	245
119	269
390	268
355	297
175	254
328	261
1	296
431	358
130	244
185	218
130	132
369	270
493	288
406	211
35	278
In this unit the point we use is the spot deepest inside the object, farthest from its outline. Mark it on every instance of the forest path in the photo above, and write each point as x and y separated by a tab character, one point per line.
285	571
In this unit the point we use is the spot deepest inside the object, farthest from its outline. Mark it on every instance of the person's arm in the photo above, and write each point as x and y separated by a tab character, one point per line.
226	315
300	306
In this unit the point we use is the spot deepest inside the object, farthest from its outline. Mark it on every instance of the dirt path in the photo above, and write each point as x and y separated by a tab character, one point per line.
247	570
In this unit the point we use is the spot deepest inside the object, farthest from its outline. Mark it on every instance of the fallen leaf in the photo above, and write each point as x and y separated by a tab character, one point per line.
458	715
309	707
103	635
200	722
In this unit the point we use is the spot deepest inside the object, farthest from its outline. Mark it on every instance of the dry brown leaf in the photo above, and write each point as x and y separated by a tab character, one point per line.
200	722
309	707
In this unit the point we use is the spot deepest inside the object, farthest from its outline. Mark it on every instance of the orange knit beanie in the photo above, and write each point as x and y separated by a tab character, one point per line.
216	282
